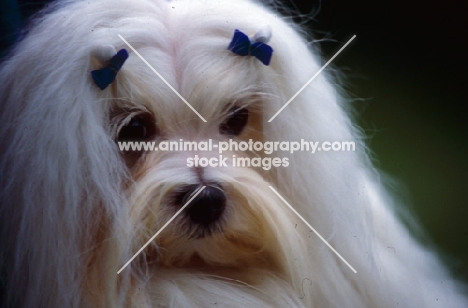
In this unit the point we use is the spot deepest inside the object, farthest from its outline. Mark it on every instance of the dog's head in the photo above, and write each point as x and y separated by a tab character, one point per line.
224	96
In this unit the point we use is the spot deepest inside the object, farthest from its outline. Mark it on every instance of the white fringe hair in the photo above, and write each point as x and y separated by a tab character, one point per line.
72	212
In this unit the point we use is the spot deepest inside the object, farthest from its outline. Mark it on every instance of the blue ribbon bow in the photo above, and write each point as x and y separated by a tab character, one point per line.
241	45
106	75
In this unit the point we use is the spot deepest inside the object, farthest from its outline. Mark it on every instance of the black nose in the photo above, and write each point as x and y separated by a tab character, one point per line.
207	206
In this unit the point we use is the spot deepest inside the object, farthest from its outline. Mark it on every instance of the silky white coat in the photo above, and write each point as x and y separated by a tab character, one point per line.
74	210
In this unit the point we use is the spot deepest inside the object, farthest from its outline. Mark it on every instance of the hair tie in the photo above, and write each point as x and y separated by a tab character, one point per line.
242	46
105	76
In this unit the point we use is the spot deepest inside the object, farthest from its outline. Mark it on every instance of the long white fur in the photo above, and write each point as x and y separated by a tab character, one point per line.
72	213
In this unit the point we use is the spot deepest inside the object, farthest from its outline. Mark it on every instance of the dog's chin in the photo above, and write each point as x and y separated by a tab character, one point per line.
213	251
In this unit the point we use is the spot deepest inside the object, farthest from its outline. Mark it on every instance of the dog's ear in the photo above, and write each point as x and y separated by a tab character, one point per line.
55	143
317	113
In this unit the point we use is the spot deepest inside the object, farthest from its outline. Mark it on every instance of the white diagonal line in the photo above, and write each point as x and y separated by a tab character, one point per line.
160	230
313	77
312	228
162	78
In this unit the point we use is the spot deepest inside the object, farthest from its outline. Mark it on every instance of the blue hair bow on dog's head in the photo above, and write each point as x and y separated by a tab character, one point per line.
105	76
242	46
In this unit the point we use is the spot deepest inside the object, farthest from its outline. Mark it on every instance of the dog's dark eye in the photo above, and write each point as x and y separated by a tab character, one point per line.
235	122
140	128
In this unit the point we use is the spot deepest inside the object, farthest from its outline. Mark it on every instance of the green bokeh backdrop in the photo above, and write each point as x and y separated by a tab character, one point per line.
407	70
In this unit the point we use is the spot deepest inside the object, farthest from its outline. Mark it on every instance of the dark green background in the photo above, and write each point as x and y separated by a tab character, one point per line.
407	70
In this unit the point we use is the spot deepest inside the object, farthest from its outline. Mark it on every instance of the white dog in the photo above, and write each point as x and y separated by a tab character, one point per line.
75	209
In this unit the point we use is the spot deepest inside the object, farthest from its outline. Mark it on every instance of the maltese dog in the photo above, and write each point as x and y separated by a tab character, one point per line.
248	196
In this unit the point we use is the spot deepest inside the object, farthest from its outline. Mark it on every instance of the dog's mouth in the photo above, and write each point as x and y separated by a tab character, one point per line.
219	226
200	232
